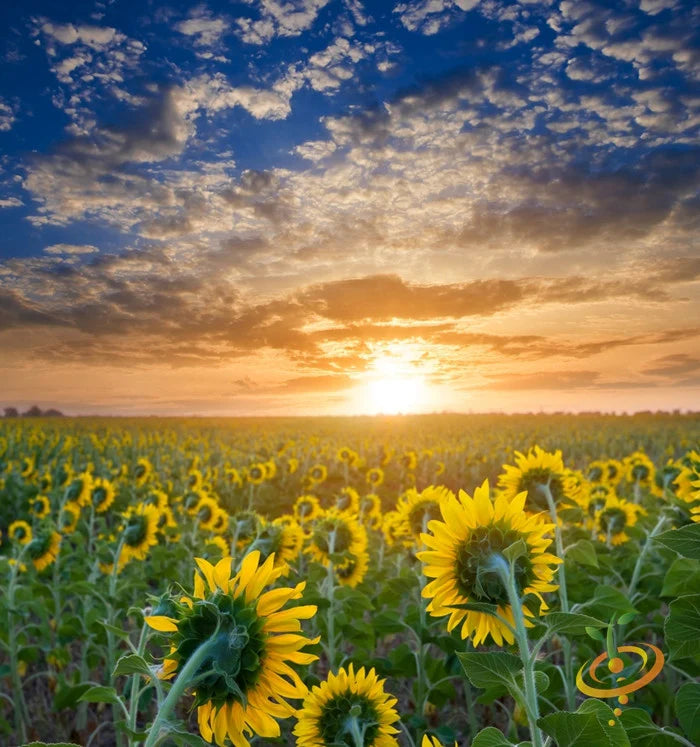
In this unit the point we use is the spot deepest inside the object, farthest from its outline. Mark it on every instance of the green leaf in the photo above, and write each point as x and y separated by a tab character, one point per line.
515	551
641	730
66	697
490	737
609	601
51	744
596	635
100	694
486	669
119	632
570	623
583	552
688	710
573	729
132	664
683	621
683	574
685	541
615	732
182	737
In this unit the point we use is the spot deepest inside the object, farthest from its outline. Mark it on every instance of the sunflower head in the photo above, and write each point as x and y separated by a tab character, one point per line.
615	517
256	473
307	508
43	549
40	506
462	547
102	495
244	677
531	473
347	705
139	532
317	474
336	533
20	532
417	509
69	516
375	476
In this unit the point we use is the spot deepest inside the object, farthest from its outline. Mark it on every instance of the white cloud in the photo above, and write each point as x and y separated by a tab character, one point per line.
206	29
430	16
10	202
71	249
279	18
7	116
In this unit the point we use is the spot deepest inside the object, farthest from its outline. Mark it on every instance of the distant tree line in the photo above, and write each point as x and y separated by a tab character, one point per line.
32	412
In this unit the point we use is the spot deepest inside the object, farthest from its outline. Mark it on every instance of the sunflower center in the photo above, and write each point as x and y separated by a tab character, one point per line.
38	546
38	505
595	474
476	577
613	520
256	473
531	481
640	471
135	531
74	491
99	495
334	727
139	471
20	533
235	660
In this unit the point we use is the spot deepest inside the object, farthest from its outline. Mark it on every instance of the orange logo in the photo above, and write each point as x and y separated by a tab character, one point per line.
642	675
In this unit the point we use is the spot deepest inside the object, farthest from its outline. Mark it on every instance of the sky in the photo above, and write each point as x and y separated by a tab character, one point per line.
342	206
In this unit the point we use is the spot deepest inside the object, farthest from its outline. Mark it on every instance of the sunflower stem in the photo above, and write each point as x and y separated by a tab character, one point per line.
507	576
330	616
352	726
21	719
563	595
640	559
184	679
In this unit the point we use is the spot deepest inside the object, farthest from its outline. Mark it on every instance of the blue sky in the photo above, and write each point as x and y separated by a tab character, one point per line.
285	201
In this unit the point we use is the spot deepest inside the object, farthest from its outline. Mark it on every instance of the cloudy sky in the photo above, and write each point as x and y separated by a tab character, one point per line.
340	206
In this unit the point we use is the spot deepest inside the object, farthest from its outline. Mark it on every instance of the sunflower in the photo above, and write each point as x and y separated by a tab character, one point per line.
80	489
256	473
102	495
639	469
142	471
40	506
347	456
307	508
534	470
206	512
69	516
459	561
431	742
615	471
63	475
245	525
166	521
195	479
217	546
20	531
371	510
317	474
43	549
417	509
666	479
157	498
233	477
395	529
375	477
349	707
597	471
45	482
348	500
616	515
409	460
280	538
27	467
245	678
292	465
139	532
352	570
336	533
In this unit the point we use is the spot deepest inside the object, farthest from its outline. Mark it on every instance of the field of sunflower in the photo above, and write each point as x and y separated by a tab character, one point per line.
418	581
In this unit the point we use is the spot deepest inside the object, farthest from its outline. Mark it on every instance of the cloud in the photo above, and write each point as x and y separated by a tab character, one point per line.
275	18
71	249
10	202
207	32
431	16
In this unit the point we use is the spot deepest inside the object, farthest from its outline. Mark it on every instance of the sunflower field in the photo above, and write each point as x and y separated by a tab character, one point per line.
432	580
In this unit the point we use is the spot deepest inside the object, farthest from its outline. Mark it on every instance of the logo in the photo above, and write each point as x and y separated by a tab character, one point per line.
629	668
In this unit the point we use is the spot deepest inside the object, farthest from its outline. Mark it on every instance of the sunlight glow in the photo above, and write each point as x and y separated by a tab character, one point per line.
393	386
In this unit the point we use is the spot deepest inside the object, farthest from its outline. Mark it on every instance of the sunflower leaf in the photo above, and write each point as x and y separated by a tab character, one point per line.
572	624
517	550
132	664
487	669
688	710
685	541
491	737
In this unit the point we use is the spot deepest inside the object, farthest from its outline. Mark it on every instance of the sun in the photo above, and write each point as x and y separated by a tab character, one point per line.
391	387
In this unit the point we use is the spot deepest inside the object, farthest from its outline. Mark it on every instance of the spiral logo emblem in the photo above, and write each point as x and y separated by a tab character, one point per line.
651	662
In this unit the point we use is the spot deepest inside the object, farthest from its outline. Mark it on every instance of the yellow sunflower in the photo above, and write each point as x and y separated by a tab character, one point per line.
281	538
20	531
352	570
317	474
40	506
417	509
142	471
256	473
245	677
348	708
80	489
348	500
157	498
371	510
43	549
375	477
395	529
307	508
69	516
535	469
639	469
614	517
336	533
459	561
102	495
139	532
27	467
432	742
